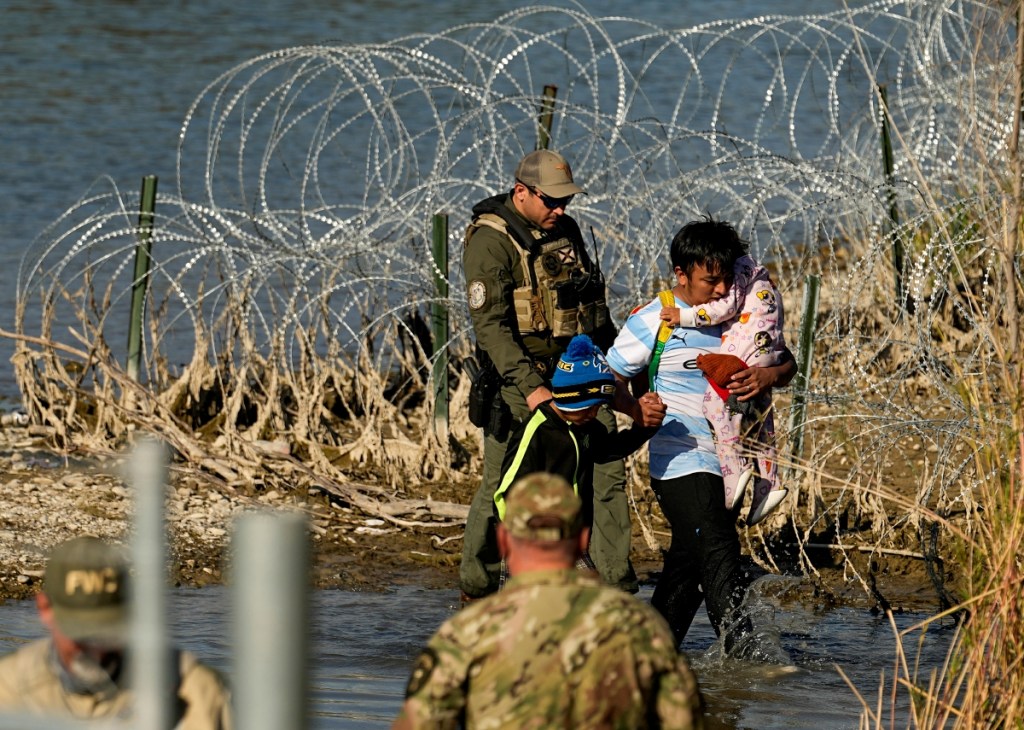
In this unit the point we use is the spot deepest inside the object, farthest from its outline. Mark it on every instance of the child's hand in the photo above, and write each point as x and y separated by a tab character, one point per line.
670	315
652	408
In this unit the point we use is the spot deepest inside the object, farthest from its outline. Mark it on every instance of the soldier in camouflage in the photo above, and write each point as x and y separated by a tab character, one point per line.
555	648
531	287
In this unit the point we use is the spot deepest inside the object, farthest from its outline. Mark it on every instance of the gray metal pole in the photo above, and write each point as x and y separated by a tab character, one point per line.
270	558
439	324
150	654
805	353
140	280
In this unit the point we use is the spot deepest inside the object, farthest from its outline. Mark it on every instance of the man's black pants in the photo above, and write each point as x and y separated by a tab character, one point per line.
703	560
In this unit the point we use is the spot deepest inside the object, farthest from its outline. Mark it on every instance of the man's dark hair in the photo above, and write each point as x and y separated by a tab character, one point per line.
715	245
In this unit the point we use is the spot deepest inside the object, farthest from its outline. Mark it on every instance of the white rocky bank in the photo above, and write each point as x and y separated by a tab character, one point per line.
46	498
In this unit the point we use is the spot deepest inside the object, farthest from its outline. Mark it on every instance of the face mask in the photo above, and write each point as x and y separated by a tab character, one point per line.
93	674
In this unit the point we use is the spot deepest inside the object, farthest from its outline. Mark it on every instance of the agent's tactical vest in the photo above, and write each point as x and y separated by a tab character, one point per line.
559	295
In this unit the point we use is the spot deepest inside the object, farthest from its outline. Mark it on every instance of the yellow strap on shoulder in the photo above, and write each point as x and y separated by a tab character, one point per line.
512	474
668	299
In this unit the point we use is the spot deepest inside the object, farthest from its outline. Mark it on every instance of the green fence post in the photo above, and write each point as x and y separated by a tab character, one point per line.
893	219
140	280
812	282
547	113
439	323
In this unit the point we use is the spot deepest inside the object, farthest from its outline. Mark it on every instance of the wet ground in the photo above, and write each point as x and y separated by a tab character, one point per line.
47	497
404	558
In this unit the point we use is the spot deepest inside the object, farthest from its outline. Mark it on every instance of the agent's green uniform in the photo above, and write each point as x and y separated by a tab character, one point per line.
554	649
524	332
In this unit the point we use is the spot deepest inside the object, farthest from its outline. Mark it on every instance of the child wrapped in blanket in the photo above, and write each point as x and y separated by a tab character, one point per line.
752	321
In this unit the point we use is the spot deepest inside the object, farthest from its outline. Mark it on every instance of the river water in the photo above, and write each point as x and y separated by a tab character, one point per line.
363	646
94	94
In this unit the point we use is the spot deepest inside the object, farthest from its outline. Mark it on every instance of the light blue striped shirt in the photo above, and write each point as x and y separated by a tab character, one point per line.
684	443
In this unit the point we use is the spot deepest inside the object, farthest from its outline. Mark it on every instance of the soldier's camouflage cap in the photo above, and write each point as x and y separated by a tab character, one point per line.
542	507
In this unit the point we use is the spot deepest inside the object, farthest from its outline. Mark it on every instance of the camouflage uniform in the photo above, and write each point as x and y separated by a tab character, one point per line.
554	649
493	270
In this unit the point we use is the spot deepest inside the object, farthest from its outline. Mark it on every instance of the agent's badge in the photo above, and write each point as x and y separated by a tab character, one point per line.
552	264
421	671
477	294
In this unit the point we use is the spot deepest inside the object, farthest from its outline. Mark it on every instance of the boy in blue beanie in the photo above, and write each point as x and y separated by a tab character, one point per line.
563	436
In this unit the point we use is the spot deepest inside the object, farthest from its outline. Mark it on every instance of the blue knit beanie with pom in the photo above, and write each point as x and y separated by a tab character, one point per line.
582	378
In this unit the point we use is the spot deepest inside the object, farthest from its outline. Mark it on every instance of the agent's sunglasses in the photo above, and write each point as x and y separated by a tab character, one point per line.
552	203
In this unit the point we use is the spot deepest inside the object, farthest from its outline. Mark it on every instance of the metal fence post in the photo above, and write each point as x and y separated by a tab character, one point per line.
270	559
439	324
547	113
812	282
140	279
151	655
893	217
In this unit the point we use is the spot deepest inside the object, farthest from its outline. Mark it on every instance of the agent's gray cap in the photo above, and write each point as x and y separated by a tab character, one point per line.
548	172
86	581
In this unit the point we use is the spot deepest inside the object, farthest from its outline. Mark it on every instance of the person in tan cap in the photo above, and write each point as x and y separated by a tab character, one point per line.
531	287
79	670
555	647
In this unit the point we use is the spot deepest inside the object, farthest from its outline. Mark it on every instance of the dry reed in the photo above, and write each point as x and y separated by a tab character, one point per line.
981	684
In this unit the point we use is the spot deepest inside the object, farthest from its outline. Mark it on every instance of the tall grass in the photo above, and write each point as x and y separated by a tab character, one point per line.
982	682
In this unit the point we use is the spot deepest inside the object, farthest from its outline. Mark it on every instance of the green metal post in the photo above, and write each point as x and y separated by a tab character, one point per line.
805	353
893	221
140	280
439	323
547	113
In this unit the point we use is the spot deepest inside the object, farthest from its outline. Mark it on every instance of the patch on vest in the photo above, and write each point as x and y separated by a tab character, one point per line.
477	294
425	665
552	265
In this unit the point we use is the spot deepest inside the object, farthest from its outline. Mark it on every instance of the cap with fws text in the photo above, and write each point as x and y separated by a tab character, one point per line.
86	581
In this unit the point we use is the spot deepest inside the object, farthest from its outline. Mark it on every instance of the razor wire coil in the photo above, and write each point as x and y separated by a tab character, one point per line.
299	225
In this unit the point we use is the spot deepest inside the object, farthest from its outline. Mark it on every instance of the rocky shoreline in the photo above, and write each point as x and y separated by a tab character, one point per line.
48	497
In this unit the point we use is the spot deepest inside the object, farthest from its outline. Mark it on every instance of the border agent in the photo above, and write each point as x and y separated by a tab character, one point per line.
79	670
531	287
